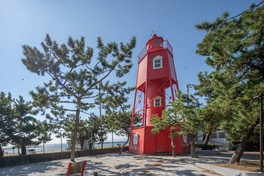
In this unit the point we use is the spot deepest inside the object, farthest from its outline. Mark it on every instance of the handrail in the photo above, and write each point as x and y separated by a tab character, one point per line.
144	52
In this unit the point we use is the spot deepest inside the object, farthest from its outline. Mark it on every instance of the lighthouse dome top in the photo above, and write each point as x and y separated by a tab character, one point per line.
154	35
156	43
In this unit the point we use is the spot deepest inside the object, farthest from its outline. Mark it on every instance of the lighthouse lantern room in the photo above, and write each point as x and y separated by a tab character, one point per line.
156	87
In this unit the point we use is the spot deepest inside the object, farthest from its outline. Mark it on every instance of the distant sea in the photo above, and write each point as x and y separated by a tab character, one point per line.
56	147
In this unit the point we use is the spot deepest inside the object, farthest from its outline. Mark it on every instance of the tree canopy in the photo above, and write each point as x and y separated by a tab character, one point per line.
182	118
18	125
234	48
74	76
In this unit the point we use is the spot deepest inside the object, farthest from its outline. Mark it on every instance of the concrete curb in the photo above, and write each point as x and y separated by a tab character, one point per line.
227	171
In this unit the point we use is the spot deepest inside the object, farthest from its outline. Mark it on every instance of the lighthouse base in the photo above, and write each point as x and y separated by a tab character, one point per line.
142	141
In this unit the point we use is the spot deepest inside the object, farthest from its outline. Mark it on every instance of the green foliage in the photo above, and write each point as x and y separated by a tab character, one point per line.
118	114
18	126
44	131
207	146
74	76
183	117
6	114
98	127
120	122
234	48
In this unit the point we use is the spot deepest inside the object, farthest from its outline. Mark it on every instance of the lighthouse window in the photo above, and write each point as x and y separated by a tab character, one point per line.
157	42
157	101
157	62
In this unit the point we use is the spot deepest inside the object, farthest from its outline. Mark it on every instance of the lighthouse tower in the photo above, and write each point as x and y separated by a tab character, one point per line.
156	87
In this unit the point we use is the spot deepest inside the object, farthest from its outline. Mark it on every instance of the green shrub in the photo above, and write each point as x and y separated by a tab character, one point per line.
207	146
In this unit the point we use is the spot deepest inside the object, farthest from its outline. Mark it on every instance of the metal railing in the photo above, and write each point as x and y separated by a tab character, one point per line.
165	45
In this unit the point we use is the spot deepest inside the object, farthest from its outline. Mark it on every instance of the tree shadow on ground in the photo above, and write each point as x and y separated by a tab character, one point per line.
98	167
143	165
37	168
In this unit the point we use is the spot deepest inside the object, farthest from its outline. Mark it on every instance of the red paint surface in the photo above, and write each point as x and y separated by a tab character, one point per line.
154	83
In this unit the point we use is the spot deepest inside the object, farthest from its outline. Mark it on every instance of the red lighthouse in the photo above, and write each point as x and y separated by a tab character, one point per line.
156	86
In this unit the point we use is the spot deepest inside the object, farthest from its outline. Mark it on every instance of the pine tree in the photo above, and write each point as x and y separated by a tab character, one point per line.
118	115
234	47
182	118
5	115
74	77
25	127
212	116
43	132
18	126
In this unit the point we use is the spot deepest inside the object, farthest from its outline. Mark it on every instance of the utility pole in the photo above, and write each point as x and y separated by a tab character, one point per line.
100	109
61	142
100	99
188	91
260	98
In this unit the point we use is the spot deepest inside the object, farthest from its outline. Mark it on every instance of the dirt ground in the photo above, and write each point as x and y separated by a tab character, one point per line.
249	162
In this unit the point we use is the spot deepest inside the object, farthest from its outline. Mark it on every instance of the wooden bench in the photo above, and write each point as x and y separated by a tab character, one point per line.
76	168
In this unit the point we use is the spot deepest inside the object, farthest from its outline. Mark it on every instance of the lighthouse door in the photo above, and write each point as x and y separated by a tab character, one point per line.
161	140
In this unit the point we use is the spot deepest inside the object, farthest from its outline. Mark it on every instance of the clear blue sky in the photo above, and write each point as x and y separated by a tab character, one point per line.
27	22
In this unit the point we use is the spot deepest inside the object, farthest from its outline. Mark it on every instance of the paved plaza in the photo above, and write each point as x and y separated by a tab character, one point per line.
114	164
129	164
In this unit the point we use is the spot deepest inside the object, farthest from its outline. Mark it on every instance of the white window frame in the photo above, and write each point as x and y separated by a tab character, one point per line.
160	101
157	58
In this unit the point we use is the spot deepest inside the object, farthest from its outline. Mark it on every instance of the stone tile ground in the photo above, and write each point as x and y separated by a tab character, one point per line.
126	164
113	164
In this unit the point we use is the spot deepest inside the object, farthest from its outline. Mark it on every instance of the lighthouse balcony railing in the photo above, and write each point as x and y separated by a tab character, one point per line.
165	45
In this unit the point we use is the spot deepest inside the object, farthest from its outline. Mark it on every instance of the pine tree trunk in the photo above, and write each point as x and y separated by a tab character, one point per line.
24	149
207	137
91	143
81	140
122	147
76	126
43	147
90	146
172	147
18	151
102	144
193	152
235	159
1	152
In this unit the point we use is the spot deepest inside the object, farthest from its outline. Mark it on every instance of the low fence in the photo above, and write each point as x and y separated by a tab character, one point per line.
20	160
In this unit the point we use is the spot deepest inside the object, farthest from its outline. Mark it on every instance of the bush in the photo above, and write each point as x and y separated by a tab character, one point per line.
232	147
249	147
207	146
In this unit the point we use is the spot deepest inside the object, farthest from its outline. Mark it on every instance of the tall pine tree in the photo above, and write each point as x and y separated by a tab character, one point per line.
234	47
74	76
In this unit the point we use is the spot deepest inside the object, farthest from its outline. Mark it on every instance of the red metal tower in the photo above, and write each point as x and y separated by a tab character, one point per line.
156	86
